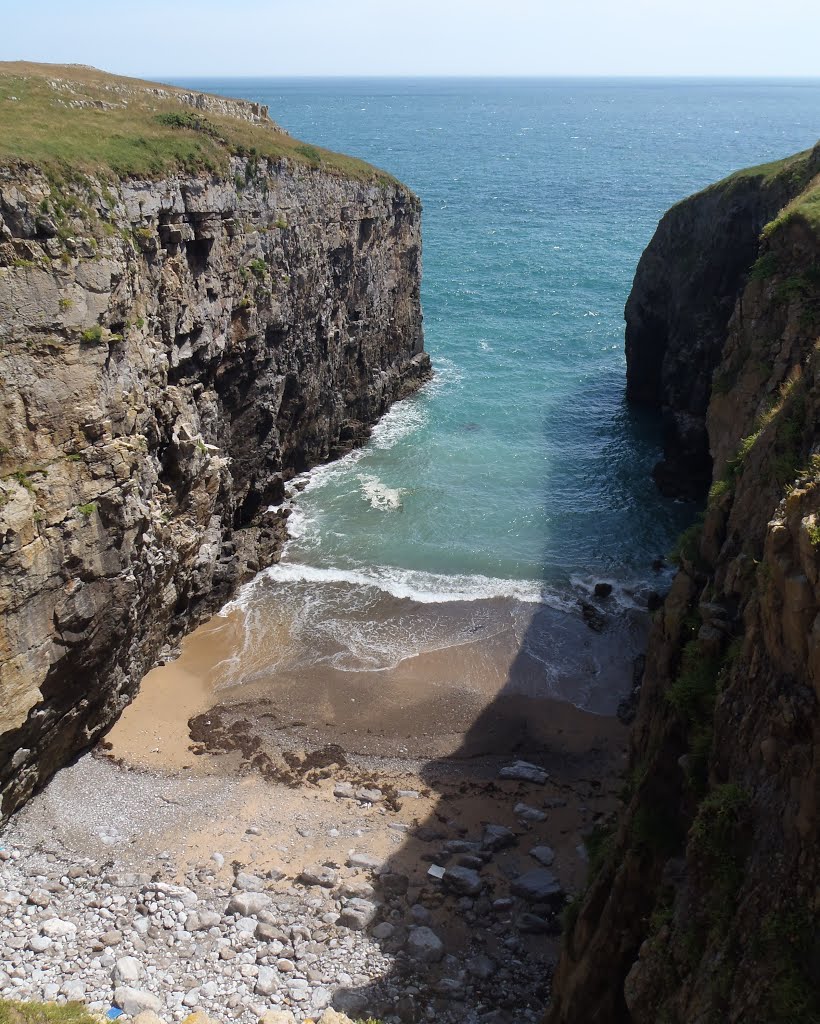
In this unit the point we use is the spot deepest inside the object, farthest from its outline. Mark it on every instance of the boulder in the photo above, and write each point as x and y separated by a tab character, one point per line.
247	904
424	945
134	1000
538	886
464	881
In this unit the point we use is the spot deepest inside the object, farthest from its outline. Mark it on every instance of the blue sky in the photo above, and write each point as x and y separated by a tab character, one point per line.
419	37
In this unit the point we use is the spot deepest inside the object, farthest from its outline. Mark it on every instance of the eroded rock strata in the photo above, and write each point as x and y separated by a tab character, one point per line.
172	350
702	904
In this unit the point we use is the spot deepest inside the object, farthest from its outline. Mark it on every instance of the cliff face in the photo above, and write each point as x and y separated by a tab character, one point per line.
703	903
686	287
172	350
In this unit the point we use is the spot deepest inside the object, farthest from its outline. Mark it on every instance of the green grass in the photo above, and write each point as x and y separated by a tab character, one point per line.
87	510
150	137
44	1013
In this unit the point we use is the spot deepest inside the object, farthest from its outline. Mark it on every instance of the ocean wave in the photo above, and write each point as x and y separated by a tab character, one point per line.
419	586
380	496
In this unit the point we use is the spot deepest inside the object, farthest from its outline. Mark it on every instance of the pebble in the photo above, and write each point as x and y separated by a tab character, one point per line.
527	813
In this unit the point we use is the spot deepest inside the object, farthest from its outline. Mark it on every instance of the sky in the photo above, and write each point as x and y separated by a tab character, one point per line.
155	38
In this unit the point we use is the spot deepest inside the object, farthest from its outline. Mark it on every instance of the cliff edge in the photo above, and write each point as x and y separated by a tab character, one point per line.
686	287
193	307
702	901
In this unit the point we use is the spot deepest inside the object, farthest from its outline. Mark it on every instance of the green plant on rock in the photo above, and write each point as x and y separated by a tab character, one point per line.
718	842
258	268
93	336
86	511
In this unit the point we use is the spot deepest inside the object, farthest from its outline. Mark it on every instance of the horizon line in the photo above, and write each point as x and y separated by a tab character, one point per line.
511	77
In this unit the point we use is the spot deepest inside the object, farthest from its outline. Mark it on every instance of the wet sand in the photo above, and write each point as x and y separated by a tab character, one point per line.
492	691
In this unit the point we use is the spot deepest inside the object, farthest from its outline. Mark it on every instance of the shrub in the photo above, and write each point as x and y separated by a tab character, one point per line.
87	510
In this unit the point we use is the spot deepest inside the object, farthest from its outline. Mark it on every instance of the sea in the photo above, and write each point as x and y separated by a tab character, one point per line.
485	508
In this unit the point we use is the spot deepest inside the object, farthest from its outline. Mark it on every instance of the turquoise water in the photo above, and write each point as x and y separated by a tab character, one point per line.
522	460
519	471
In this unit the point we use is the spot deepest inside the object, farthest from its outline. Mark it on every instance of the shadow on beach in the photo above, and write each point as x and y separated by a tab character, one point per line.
470	903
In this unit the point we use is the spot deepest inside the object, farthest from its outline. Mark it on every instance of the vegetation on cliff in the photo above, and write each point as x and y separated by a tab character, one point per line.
70	119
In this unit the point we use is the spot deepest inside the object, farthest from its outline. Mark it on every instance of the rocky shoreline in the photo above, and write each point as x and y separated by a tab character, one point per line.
357	888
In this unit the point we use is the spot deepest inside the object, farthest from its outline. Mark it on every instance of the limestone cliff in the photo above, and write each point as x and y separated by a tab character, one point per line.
703	898
176	341
686	287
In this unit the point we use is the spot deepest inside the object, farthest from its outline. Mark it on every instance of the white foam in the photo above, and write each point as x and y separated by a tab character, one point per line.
414	585
380	496
398	422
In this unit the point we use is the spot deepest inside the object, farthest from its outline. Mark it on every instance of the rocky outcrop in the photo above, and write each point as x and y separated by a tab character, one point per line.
703	902
171	352
686	287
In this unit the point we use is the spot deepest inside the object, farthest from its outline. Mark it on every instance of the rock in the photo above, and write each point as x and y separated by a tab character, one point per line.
528	813
543	854
248	883
498	837
481	967
592	617
358	914
364	860
372	796
39	943
603	589
277	1017
74	991
57	929
201	920
538	886
420	914
322	876
134	1000
218	859
330	1016
265	981
147	1017
268	932
424	945
127	971
39	898
382	931
112	937
344	790
248	904
465	881
523	771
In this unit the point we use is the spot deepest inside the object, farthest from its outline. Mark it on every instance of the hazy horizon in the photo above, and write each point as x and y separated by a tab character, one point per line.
460	39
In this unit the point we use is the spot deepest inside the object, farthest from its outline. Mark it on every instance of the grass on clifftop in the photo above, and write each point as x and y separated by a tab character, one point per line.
70	117
44	1013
